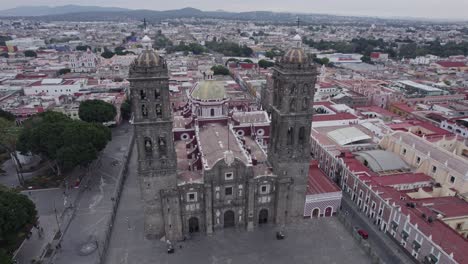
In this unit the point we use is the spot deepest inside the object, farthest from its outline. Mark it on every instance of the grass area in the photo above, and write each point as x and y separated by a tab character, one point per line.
49	180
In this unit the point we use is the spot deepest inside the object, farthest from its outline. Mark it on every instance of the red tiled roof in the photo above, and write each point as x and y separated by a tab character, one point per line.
338	116
319	182
451	64
402	178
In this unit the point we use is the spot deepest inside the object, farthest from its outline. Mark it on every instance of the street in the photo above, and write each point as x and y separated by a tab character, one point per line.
385	247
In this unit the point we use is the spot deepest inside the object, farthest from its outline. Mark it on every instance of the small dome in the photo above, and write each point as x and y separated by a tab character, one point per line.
295	56
148	58
146	39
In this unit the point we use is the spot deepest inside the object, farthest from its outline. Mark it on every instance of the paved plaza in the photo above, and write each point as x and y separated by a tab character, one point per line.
308	241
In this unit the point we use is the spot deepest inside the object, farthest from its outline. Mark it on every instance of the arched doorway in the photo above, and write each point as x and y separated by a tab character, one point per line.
316	212
229	219
193	225
263	216
328	211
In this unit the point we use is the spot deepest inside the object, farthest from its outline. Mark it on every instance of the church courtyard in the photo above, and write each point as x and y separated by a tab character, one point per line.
308	241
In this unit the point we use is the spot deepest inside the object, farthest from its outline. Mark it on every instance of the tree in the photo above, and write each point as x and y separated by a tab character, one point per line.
107	54
5	55
96	111
5	258
30	53
17	213
220	70
126	109
7	115
9	134
265	64
64	143
247	61
64	71
366	59
83	48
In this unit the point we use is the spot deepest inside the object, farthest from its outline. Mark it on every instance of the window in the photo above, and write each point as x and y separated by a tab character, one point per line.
264	189
228	176
452	179
434	169
228	191
192	196
418	160
459	226
404	152
302	135
290	136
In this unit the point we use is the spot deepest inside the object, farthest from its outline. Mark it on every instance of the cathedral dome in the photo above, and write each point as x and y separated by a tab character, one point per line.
148	58
295	55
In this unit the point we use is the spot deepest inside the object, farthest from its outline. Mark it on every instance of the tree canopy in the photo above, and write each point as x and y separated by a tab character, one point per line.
83	47
64	71
7	115
265	64
220	70
195	48
16	212
96	111
126	109
107	54
229	48
30	53
64	142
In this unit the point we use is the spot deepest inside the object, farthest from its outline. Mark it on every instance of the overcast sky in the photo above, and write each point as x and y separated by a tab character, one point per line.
455	9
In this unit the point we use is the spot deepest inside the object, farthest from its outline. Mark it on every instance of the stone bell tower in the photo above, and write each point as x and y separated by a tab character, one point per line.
152	119
294	79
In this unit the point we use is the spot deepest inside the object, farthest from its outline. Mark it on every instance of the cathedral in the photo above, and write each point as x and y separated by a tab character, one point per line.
204	167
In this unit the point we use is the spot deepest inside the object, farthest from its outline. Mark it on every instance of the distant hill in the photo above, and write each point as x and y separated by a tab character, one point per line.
23	11
95	13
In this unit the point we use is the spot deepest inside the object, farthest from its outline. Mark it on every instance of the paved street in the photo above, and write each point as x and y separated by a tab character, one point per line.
388	251
309	241
94	207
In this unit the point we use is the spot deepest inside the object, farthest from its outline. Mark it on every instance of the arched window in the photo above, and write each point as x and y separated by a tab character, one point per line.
305	89
142	95
158	111
290	136
293	89
305	103
148	145
292	106
144	110
162	145
157	93
302	135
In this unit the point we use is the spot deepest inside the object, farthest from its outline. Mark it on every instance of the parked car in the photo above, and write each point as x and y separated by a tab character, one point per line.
363	233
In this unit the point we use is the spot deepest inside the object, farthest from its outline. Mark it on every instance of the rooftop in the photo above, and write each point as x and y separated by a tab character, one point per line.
319	182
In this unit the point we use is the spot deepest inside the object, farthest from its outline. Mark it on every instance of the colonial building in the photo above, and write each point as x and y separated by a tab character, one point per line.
205	167
83	61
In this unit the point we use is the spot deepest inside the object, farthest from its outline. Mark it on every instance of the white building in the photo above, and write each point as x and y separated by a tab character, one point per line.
26	43
55	87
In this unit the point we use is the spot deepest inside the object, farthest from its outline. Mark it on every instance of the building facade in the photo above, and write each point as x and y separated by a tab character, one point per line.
201	171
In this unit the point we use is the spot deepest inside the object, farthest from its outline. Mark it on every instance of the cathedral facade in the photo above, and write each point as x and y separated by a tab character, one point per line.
203	167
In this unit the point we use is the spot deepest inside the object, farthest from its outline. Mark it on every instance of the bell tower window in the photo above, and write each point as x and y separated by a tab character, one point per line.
162	146
158	111
292	106
142	94
290	136
157	94
144	110
148	146
302	135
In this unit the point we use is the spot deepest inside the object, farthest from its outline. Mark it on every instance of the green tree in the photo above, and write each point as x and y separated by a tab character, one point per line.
7	115
5	258
107	54
82	48
64	143
220	70
126	109
97	111
17	213
265	64
30	53
366	59
64	71
9	134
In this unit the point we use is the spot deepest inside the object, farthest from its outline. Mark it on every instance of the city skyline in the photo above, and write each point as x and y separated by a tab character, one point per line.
432	9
